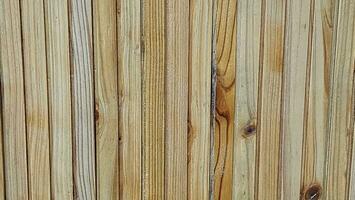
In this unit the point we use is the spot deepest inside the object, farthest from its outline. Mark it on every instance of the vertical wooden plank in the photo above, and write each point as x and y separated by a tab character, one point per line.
247	64
296	55
317	97
225	96
153	98
199	98
57	34
130	99
13	101
37	124
177	50
106	98
83	99
270	103
339	121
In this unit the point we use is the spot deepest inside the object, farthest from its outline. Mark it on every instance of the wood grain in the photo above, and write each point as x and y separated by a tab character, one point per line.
225	96
269	102
247	73
339	119
153	98
130	99
35	74
176	113
82	99
200	64
58	63
317	96
293	98
106	98
13	101
2	171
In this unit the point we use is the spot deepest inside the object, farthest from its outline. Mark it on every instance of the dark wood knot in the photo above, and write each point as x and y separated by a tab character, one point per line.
250	128
312	192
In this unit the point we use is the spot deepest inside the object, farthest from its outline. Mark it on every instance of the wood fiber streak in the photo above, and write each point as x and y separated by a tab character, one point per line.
294	84
2	174
106	98
130	99
247	73
199	98
13	101
82	99
317	99
225	106
176	113
339	120
153	98
35	74
58	64
270	91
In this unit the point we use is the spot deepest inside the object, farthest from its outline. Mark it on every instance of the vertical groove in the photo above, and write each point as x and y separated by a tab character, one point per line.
2	126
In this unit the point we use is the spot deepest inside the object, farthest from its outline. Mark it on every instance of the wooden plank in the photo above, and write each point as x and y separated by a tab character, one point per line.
247	64
37	124
130	99
199	98
339	121
57	35
296	55
317	97
177	34
225	96
106	98
13	101
270	103
153	98
83	99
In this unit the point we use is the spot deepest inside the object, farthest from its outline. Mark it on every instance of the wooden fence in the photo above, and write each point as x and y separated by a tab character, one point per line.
177	99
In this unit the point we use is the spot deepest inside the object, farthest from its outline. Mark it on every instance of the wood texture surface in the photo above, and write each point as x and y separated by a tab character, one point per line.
13	101
59	89
130	99
167	99
35	74
106	98
82	99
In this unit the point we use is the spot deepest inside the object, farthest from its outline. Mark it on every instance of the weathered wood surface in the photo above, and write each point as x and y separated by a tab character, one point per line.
165	99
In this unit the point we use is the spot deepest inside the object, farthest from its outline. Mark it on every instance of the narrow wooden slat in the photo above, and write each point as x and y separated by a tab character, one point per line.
106	98
269	104
199	98
57	36
37	124
83	99
225	96
177	50
339	121
293	97
315	135
153	23
130	99
247	64
13	101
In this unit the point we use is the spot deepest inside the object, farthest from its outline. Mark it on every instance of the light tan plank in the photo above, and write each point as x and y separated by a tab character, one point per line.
317	98
339	121
153	98
57	34
269	106
199	98
37	124
225	96
106	98
83	99
247	64
13	101
130	99
177	31
293	97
